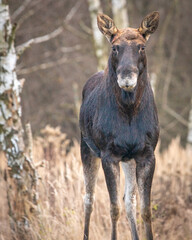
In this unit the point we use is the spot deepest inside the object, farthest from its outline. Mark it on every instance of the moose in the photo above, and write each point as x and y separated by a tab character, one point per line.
119	123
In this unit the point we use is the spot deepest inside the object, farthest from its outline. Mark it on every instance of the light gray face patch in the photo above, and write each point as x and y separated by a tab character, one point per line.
128	83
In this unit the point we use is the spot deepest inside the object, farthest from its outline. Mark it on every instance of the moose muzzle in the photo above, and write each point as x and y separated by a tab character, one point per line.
127	83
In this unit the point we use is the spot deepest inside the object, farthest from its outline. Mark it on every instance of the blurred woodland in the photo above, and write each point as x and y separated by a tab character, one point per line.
56	70
41	178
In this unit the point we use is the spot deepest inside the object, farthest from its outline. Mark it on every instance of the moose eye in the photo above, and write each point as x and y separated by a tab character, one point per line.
141	47
115	48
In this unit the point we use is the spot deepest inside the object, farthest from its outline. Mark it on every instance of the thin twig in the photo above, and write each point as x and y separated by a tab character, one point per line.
24	18
70	49
72	11
21	48
63	50
40	164
48	36
75	31
85	28
20	9
42	66
175	121
175	115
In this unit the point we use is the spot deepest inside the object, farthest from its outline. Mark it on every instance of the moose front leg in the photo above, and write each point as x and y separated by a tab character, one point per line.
129	169
144	174
112	176
90	169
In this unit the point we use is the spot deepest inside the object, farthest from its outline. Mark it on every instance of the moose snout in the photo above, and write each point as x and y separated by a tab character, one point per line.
129	82
127	77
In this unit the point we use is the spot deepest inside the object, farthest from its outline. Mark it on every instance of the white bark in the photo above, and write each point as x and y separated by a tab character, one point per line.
10	89
120	13
22	174
153	79
94	9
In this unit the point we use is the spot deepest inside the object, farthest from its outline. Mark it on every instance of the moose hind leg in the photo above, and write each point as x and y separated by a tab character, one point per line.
112	176
144	173
90	169
129	169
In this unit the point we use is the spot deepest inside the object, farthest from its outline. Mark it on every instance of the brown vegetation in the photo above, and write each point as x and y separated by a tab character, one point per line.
61	191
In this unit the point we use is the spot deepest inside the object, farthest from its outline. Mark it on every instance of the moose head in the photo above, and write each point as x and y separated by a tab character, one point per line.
128	48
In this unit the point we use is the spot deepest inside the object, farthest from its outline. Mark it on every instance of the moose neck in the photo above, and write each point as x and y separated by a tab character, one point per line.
128	102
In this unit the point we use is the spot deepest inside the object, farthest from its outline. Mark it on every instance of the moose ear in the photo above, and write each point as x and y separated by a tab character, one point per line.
149	24
107	26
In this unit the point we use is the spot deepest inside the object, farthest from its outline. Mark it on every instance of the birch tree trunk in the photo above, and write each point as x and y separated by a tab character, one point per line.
21	174
100	49
120	13
153	79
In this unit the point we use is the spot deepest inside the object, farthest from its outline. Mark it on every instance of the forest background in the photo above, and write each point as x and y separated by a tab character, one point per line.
56	70
58	52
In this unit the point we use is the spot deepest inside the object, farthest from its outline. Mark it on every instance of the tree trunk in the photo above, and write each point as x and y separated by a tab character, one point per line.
100	49
120	13
153	79
21	174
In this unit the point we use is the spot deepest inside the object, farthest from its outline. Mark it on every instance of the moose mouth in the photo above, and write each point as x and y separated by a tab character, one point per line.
129	88
128	83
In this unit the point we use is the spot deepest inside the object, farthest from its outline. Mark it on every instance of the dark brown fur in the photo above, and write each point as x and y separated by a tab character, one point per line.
118	122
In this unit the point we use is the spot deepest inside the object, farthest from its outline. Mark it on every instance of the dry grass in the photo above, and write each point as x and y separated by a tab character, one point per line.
61	191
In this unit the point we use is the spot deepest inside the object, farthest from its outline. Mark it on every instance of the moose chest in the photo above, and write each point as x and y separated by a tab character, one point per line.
120	135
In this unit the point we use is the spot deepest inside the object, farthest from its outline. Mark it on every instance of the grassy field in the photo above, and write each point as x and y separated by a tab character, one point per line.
61	190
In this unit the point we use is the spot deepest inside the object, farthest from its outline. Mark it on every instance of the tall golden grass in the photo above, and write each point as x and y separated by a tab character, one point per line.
61	190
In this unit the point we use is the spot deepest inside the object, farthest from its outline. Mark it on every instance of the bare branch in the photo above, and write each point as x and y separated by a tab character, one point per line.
74	48
71	49
72	12
49	36
175	121
165	134
175	115
35	6
75	31
24	17
42	66
21	48
20	9
85	28
40	164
